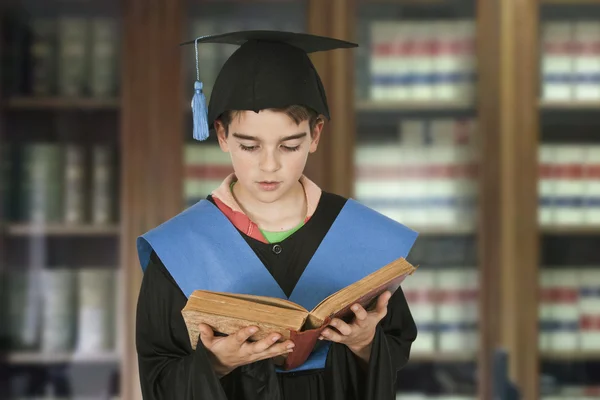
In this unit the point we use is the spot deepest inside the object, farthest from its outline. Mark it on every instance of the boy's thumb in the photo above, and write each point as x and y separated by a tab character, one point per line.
206	333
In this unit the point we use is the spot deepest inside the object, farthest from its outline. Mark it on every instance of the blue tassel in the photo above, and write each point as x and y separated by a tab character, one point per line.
200	113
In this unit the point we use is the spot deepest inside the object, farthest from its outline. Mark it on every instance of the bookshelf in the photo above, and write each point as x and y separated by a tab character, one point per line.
499	246
567	145
61	103
415	160
60	223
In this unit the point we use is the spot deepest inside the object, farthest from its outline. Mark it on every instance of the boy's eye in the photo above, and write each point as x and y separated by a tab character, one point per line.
294	148
247	148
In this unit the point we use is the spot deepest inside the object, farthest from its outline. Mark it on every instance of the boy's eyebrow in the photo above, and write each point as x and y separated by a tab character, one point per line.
284	139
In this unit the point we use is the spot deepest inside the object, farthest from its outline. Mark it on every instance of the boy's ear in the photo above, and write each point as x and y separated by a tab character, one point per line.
316	135
221	136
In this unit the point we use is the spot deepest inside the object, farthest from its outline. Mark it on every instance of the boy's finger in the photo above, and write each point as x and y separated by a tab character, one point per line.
332	335
382	303
280	348
360	312
341	326
264	344
244	334
206	334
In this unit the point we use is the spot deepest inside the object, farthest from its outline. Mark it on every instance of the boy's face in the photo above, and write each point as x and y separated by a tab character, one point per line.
268	151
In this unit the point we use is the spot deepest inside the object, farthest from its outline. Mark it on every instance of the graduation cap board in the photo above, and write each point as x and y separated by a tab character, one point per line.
270	69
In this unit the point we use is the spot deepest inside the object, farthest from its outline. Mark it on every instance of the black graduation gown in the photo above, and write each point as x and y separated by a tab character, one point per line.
170	369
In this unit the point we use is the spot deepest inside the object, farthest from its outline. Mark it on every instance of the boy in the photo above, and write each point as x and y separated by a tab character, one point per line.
268	230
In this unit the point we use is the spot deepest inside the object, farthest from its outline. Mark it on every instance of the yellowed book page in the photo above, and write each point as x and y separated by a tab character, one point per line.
232	307
273	301
228	326
393	273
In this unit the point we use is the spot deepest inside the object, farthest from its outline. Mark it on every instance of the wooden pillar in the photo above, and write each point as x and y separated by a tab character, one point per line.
152	145
332	166
508	115
318	15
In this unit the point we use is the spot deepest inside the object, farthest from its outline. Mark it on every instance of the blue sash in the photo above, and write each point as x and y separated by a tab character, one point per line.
203	251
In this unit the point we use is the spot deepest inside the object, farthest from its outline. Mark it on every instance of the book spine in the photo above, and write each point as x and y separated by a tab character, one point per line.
41	184
59	299
103	185
557	61
205	168
74	184
95	310
455	320
104	57
73	42
587	61
43	60
592	185
424	39
570	186
546	310
546	184
419	291
589	309
565	310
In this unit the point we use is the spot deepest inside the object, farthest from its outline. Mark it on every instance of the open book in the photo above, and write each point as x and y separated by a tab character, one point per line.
227	313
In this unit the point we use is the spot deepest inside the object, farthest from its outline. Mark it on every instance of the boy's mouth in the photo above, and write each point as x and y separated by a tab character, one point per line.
268	185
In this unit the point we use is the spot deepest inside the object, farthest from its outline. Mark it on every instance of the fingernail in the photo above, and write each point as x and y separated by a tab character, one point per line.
276	338
325	333
290	346
334	323
290	350
253	330
355	308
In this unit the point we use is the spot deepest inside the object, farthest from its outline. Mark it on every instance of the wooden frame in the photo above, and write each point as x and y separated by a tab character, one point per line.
152	144
508	55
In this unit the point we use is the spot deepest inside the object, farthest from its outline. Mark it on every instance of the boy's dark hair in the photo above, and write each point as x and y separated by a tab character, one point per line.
297	113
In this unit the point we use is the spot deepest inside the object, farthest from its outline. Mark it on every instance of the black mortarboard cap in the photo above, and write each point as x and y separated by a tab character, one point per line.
271	69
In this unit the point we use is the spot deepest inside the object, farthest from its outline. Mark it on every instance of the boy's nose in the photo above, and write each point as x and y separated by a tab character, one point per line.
269	162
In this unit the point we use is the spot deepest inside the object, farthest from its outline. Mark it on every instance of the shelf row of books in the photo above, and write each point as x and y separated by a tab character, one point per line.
68	183
416	60
72	383
65	55
58	310
211	57
575	393
569	184
205	168
444	306
570	60
423	396
569	309
426	177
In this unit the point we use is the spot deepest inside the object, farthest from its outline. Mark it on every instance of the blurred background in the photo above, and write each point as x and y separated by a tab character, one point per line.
473	122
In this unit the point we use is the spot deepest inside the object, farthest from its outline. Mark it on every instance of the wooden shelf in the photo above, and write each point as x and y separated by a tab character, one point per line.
571	2
62	103
61	358
62	230
570	230
444	357
570	356
415	105
408	2
569	104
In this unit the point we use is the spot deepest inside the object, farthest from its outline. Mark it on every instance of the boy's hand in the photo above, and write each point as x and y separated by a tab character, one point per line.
230	352
359	334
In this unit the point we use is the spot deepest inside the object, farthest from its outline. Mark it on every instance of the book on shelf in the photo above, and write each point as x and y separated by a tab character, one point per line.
227	313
